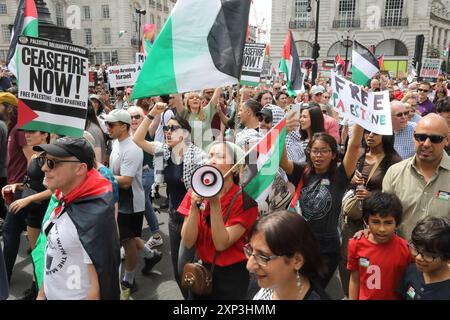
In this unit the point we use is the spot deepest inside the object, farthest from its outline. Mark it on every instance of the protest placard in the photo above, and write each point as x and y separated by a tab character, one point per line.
123	76
53	87
371	110
253	63
430	68
93	78
266	69
140	58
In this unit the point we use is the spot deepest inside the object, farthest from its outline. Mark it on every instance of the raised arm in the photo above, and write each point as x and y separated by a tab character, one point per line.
141	132
351	157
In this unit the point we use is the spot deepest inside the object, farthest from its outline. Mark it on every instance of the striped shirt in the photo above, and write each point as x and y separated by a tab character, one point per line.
404	141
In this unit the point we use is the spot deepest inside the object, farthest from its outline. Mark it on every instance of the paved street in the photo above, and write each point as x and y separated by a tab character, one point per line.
160	285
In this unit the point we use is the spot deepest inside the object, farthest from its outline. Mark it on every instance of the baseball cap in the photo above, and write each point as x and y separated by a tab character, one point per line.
118	115
98	98
64	147
317	89
265	112
8	98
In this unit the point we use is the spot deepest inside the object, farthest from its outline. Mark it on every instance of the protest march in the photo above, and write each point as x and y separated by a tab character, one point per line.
206	162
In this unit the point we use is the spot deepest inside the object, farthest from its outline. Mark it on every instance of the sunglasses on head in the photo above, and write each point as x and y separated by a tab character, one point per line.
51	163
264	118
136	117
422	137
171	128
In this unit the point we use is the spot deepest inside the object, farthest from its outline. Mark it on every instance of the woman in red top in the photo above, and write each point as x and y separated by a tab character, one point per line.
207	231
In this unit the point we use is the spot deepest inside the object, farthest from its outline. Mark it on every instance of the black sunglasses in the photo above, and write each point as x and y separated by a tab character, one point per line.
264	118
421	137
171	128
51	163
136	117
402	114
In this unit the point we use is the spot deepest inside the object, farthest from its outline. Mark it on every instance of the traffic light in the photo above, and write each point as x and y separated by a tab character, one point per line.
315	53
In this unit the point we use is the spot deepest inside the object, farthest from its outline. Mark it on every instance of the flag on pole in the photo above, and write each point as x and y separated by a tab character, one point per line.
199	47
290	65
148	38
26	24
269	150
364	64
381	62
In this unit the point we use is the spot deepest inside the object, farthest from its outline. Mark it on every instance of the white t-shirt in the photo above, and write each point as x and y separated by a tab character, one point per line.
126	160
159	134
66	276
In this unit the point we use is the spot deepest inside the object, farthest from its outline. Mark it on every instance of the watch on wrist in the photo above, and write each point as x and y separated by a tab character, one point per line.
150	116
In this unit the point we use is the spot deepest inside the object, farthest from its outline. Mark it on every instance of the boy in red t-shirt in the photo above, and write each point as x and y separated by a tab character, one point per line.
377	263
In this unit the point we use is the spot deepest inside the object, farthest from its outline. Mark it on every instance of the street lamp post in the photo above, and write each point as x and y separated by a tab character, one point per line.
140	12
347	44
316	47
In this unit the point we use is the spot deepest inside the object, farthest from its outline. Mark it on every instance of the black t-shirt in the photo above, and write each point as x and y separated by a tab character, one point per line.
321	201
173	176
413	287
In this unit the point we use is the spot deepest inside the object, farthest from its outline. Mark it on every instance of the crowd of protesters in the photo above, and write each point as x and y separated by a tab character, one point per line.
372	211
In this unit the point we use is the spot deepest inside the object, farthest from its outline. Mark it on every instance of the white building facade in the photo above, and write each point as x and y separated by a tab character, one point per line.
109	28
390	27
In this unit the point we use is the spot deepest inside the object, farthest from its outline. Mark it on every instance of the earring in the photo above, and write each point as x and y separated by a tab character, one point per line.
299	280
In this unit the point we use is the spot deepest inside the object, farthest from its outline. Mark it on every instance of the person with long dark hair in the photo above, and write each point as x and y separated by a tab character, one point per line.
377	154
320	185
284	255
265	97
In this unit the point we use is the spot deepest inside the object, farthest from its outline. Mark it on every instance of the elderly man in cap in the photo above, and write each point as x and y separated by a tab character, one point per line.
82	253
126	164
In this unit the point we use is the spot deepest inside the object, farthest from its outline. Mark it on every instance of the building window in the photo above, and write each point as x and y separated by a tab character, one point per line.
393	13
347	10
152	18
3	7
98	57
114	57
107	56
59	15
107	35
158	5
158	23
88	36
87	12
105	11
300	10
6	33
152	3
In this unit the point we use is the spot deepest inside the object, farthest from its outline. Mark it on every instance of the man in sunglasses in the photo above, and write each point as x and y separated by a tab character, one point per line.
424	105
126	164
403	130
82	254
422	182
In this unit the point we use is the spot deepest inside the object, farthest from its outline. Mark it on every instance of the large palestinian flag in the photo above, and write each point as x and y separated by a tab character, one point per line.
268	153
364	64
26	23
199	47
290	65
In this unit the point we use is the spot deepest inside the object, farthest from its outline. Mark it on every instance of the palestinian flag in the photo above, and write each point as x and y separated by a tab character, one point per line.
364	64
290	65
199	47
26	23
268	155
381	62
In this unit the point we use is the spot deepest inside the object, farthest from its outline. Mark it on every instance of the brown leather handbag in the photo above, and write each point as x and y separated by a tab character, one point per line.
197	277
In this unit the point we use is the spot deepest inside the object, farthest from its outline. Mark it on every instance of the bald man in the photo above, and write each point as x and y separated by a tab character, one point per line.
422	182
403	129
375	85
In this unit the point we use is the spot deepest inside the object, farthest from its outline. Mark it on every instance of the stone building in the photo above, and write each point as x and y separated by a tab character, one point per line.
109	28
388	26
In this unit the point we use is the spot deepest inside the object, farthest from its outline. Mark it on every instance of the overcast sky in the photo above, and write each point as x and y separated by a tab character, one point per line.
262	10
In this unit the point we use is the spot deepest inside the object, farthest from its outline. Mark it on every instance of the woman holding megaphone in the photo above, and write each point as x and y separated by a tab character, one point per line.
218	226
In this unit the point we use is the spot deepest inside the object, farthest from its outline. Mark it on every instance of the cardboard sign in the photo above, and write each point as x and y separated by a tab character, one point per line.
371	110
53	87
266	70
123	76
253	63
431	68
